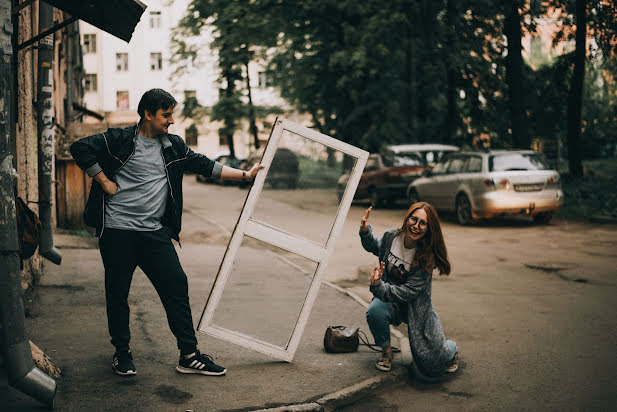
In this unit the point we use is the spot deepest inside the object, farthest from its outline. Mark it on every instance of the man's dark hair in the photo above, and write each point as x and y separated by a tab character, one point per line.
155	99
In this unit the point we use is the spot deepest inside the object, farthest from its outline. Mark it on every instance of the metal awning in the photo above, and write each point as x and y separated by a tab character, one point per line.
117	17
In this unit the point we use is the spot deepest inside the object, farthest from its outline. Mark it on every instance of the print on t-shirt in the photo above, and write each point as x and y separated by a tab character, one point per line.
399	260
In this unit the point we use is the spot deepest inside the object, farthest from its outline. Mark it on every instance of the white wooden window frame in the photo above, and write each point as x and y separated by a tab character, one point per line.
275	236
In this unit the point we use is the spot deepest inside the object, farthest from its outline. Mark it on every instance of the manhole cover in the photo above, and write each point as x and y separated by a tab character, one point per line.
550	266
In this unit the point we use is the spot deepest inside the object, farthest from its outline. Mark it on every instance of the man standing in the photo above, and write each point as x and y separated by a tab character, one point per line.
135	205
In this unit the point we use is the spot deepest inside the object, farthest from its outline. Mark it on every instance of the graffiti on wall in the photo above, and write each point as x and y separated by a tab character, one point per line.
47	135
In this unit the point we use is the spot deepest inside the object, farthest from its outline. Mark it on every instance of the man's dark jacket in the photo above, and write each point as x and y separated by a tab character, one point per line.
110	150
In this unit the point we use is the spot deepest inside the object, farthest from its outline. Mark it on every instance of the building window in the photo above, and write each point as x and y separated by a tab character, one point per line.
222	139
90	83
156	61
155	19
89	43
122	99
122	62
263	80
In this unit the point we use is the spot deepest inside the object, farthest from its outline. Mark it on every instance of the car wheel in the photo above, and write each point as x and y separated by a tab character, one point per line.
542	218
463	210
413	197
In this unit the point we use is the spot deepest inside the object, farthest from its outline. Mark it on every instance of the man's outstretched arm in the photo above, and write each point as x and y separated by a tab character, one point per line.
229	173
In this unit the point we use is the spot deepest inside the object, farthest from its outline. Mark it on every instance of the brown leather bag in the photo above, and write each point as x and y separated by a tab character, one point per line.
341	339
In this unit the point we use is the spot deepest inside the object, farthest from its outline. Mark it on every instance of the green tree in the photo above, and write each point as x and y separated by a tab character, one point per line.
374	73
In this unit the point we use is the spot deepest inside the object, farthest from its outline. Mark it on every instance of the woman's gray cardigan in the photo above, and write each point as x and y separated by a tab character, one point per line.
412	301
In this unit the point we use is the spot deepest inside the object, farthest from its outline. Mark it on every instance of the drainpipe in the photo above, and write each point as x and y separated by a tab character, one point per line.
45	117
68	107
21	372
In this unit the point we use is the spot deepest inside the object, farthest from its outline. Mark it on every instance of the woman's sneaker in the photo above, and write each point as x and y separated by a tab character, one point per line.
199	363
122	363
453	365
384	363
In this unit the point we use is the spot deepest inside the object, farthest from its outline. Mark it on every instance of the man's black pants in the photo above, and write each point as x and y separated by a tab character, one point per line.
122	251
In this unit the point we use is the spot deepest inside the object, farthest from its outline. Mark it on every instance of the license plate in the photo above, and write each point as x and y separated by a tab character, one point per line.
534	187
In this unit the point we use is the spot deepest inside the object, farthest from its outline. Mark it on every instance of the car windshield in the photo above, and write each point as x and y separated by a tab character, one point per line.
517	161
403	159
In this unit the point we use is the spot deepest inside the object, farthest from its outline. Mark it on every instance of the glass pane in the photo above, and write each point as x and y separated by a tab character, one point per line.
252	303
304	175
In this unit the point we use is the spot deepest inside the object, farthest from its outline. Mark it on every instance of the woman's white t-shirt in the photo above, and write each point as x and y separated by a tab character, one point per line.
399	258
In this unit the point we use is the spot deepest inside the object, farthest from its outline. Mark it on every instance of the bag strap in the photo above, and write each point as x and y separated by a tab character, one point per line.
364	341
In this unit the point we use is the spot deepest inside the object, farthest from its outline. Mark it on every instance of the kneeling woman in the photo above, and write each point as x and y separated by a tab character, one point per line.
401	286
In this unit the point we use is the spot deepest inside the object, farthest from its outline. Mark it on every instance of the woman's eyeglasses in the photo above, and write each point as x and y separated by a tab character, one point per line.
421	223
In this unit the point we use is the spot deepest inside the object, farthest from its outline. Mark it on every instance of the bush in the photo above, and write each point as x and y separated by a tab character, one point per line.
594	194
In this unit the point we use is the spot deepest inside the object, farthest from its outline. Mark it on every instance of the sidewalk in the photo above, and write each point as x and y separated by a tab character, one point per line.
69	324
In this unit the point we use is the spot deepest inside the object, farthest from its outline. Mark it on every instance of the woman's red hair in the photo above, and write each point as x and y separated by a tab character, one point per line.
431	249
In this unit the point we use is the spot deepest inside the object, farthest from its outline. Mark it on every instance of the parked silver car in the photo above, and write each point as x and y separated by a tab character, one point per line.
490	184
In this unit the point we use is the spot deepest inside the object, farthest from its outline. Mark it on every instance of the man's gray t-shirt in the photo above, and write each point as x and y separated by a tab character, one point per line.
142	192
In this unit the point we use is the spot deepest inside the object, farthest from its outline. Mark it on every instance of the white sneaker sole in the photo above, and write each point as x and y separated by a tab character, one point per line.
383	368
181	369
127	373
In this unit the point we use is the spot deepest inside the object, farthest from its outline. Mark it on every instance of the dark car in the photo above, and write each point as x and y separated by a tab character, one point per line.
284	170
387	174
227	160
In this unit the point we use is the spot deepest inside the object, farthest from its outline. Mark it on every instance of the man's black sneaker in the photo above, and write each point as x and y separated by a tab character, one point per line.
123	363
199	363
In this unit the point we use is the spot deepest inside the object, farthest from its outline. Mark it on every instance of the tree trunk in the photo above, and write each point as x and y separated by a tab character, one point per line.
252	126
575	96
514	77
410	74
450	125
229	120
421	89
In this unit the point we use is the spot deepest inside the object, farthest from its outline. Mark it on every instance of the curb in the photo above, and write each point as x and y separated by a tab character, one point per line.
342	397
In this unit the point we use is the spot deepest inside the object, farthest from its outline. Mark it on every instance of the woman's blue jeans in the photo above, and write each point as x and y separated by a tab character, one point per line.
379	318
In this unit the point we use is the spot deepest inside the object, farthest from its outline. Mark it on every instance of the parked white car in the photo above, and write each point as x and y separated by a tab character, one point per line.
489	184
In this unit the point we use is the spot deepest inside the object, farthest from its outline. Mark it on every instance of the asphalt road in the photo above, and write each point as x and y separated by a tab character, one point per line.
532	308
